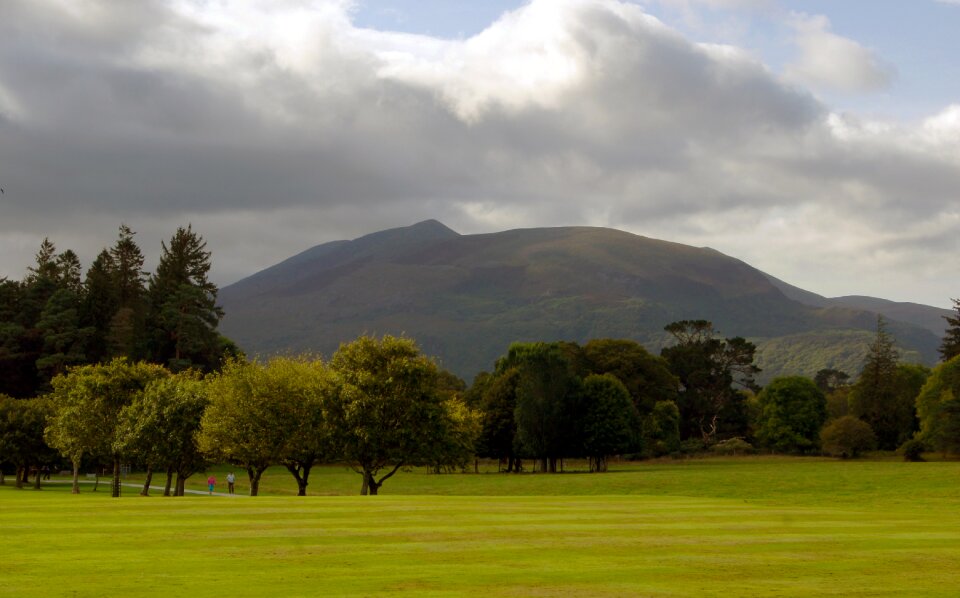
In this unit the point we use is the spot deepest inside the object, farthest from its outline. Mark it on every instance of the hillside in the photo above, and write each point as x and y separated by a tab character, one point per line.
465	298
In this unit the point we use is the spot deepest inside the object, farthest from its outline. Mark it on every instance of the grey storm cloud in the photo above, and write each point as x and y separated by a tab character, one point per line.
274	126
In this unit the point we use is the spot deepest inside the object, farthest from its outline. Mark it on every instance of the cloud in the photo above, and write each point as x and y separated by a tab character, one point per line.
275	126
833	62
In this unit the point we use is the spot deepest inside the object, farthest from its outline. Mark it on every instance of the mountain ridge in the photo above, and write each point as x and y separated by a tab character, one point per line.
465	298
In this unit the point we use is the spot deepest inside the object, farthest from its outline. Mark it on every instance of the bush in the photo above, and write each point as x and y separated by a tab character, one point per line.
847	437
912	450
692	446
733	446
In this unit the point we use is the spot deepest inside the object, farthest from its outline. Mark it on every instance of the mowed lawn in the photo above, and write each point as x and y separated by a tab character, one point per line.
730	527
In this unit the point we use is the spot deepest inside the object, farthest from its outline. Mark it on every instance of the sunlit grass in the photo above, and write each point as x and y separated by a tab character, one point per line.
731	527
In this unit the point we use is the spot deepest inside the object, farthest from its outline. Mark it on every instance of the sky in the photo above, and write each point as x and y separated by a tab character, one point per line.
816	140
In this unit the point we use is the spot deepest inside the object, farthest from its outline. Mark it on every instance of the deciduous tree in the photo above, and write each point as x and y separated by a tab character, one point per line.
709	369
389	411
793	410
938	408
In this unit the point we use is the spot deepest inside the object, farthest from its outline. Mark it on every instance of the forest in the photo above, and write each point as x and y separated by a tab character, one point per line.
126	368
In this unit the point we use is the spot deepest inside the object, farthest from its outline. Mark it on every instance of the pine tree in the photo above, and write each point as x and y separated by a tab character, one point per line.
64	339
183	308
874	397
126	332
950	347
100	303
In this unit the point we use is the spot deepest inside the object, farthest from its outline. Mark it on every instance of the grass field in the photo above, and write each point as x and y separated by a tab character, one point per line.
713	527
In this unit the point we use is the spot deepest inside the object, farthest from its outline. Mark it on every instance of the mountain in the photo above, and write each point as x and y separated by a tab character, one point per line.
465	298
925	316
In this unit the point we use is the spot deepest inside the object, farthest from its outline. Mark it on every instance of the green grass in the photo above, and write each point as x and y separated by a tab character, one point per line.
714	527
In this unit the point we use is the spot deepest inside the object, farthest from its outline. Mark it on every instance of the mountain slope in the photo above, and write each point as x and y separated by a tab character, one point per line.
465	298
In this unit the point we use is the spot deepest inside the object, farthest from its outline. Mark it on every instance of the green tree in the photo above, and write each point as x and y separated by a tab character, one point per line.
17	363
847	437
884	394
646	377
547	413
610	419
709	369
126	336
938	408
100	303
245	423
304	388
64	339
160	428
183	305
87	402
829	380
661	429
22	422
950	347
793	410
389	412
498	426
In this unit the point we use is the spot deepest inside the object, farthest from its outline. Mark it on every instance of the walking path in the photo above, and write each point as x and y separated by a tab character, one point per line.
106	483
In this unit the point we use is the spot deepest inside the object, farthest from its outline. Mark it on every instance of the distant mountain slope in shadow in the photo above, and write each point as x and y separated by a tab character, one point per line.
465	298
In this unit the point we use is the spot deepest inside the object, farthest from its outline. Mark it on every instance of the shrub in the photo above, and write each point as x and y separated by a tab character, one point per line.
912	450
847	437
733	446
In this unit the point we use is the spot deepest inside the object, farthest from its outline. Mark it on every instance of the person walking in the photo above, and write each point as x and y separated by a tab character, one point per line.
211	482
230	480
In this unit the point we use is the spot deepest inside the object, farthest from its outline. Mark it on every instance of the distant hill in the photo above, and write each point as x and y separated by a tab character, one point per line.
465	298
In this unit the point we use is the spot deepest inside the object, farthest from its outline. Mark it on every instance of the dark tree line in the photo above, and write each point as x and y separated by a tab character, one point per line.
550	401
57	317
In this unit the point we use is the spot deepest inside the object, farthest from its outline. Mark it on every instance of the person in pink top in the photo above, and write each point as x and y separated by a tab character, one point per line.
211	482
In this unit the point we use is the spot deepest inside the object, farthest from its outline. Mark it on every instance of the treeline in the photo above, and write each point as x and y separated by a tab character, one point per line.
58	317
377	405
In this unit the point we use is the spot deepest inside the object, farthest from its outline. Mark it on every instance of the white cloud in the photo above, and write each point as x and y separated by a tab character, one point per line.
274	126
833	62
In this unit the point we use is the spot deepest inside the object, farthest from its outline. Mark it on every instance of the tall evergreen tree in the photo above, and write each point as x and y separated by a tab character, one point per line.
16	367
874	397
183	305
126	335
950	347
100	303
64	338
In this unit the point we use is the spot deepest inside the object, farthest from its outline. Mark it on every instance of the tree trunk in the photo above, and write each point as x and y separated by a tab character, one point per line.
301	473
115	484
96	479
146	484
20	473
365	487
166	487
76	476
181	485
36	482
254	474
373	487
3	480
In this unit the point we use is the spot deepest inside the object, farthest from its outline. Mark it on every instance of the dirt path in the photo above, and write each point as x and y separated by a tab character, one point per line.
106	483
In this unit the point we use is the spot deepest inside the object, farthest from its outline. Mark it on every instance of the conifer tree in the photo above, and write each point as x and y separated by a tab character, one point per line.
874	397
183	309
100	303
950	347
126	335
